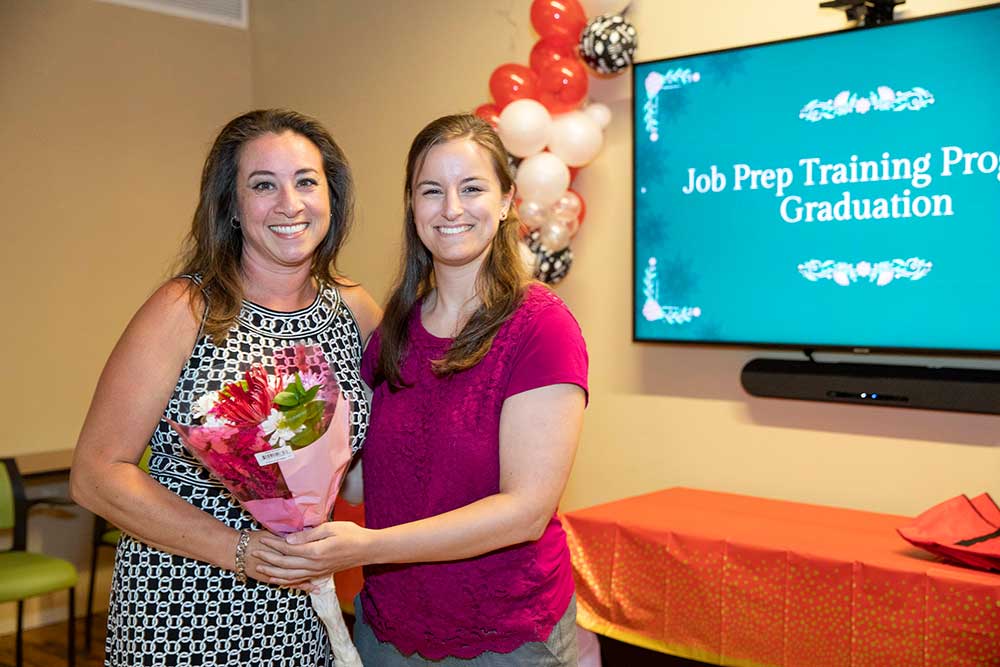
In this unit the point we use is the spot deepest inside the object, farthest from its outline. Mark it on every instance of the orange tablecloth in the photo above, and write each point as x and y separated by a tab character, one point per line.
348	582
739	580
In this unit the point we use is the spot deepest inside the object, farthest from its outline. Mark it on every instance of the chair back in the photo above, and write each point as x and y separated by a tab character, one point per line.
13	503
6	500
144	459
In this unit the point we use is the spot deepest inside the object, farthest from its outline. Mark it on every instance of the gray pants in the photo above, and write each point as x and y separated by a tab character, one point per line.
559	650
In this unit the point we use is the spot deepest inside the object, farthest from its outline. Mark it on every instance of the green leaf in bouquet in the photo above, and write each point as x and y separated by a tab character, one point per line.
311	394
304	438
301	414
314	410
295	417
286	399
299	389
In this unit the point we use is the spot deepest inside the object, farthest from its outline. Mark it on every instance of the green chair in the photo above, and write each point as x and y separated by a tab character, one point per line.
105	535
24	574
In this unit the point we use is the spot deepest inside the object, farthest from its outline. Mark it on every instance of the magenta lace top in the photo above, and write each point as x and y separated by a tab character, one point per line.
433	447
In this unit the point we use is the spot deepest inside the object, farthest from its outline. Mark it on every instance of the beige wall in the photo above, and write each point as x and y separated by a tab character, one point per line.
106	114
375	72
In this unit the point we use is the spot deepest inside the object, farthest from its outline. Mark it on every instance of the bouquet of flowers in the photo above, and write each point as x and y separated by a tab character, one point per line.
281	444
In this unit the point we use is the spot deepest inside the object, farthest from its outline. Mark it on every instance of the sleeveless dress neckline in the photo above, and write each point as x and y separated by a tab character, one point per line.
253	305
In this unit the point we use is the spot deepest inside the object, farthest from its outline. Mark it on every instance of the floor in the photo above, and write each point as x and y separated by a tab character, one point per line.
46	647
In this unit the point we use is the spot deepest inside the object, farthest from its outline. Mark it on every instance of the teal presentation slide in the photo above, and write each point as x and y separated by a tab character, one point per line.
841	190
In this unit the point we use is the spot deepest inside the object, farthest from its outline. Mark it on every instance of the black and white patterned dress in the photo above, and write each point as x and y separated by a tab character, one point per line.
170	610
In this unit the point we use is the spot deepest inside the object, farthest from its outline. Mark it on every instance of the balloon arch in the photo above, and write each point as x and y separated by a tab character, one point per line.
541	113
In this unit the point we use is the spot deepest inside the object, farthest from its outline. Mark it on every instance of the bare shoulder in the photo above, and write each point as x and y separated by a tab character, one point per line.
170	318
366	311
175	303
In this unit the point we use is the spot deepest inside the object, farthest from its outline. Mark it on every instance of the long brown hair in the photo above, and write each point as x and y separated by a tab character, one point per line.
502	277
213	249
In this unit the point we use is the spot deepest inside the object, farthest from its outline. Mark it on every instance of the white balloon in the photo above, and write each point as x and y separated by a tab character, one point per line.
594	8
575	137
567	208
542	178
523	127
600	113
532	213
553	235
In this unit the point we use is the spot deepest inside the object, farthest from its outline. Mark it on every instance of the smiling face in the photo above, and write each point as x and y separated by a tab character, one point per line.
458	203
283	200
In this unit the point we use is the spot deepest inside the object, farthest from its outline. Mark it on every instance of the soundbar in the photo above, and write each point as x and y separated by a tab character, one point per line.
955	389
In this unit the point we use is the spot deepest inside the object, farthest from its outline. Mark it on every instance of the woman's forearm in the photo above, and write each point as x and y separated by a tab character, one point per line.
486	525
534	465
128	497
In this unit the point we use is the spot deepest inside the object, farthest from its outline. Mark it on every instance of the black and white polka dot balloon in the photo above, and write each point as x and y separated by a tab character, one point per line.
608	43
550	267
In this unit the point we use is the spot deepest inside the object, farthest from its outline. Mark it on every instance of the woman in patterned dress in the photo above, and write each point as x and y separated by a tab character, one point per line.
480	381
259	275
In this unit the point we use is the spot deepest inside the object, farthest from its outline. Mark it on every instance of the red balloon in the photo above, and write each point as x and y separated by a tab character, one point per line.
511	82
562	85
563	18
551	49
488	112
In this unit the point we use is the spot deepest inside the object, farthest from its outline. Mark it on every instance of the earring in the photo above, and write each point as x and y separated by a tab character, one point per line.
234	222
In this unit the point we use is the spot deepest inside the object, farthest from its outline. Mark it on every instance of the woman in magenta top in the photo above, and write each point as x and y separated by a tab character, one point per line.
480	380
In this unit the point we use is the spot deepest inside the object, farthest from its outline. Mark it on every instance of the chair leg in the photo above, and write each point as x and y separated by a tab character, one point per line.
89	618
71	638
18	645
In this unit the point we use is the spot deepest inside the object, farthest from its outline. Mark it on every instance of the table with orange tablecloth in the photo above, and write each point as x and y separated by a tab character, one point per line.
348	582
739	580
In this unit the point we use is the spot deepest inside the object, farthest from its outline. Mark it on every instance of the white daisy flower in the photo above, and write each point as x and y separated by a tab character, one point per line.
272	423
204	404
214	420
281	436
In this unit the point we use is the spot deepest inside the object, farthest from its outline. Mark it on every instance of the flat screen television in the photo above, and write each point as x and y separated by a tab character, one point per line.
838	191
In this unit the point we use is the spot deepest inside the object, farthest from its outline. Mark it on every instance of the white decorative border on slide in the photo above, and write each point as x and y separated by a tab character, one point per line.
880	273
653	310
657	82
882	99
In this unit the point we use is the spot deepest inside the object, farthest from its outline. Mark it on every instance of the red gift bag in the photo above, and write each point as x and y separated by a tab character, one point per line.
960	529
